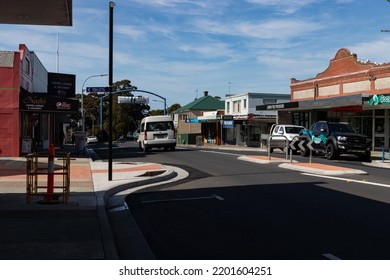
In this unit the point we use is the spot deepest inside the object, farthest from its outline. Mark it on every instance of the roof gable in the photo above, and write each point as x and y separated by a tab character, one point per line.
205	103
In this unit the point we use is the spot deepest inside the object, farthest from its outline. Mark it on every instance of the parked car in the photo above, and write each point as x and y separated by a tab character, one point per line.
133	135
157	132
281	135
92	139
335	138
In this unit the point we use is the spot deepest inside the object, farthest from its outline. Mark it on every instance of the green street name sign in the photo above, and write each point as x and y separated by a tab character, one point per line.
379	99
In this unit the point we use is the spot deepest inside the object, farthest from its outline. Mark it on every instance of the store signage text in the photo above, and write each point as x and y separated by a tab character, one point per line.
379	99
34	102
275	106
228	124
63	106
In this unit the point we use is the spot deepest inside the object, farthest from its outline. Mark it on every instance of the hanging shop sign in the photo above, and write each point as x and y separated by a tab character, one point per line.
60	84
278	106
379	100
192	120
228	123
45	103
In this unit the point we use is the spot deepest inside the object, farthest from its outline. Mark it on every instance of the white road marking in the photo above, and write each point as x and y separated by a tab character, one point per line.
222	153
213	196
348	180
331	257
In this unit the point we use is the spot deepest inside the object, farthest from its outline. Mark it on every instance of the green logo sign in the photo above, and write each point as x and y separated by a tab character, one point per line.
379	99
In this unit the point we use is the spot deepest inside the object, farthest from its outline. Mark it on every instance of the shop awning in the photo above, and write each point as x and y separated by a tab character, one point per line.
327	103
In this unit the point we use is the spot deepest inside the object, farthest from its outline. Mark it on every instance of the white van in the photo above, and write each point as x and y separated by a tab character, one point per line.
157	132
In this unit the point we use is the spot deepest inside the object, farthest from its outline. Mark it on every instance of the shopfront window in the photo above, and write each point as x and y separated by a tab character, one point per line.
379	125
301	118
362	125
379	129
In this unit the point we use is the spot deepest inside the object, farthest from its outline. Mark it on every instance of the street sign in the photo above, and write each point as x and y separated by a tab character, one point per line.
303	145
309	145
300	145
125	99
132	100
99	89
141	100
292	145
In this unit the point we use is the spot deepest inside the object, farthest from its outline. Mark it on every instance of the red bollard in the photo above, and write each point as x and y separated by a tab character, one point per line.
50	174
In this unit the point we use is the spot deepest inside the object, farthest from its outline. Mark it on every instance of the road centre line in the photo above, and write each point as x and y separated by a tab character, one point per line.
347	180
213	196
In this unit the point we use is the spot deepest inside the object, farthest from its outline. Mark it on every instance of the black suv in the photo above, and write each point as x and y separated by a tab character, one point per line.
333	139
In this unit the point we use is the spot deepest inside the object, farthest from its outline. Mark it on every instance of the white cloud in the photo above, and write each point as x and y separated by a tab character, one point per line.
129	31
208	50
287	7
375	51
185	7
272	29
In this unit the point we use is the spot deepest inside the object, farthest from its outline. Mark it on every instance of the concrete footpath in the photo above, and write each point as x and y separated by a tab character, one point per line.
76	230
81	229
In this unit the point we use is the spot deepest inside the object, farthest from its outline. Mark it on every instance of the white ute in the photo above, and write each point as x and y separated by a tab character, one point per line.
282	135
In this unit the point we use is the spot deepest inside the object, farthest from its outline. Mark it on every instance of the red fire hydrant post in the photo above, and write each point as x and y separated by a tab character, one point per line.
50	174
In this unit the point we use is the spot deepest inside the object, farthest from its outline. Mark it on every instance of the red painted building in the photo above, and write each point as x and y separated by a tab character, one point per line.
33	103
9	100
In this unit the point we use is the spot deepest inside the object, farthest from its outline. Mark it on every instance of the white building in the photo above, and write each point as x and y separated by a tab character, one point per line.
242	124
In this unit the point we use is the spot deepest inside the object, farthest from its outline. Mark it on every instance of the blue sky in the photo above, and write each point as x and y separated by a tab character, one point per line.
180	48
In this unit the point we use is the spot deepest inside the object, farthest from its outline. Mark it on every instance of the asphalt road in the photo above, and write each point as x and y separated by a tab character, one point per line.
231	209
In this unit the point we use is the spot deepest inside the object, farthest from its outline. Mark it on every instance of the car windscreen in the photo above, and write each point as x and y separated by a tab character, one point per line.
293	130
341	127
159	126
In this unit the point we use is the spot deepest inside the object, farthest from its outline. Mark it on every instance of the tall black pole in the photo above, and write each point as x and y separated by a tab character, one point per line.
110	78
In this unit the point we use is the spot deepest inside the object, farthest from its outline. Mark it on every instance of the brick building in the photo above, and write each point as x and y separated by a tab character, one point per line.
350	91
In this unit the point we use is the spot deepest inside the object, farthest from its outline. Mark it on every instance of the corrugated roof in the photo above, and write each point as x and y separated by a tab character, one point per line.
205	103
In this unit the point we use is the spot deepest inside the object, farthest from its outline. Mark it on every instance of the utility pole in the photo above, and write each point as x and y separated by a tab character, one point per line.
110	82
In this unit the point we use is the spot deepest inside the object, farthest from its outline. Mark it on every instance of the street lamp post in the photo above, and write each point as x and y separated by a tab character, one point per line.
110	81
82	97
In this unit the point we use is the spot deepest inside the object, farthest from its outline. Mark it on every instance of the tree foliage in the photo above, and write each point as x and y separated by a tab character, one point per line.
125	118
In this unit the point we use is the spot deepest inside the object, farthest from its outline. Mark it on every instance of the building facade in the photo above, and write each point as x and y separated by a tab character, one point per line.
243	124
350	91
199	122
34	104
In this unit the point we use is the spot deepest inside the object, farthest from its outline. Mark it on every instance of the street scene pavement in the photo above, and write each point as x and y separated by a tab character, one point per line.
80	228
